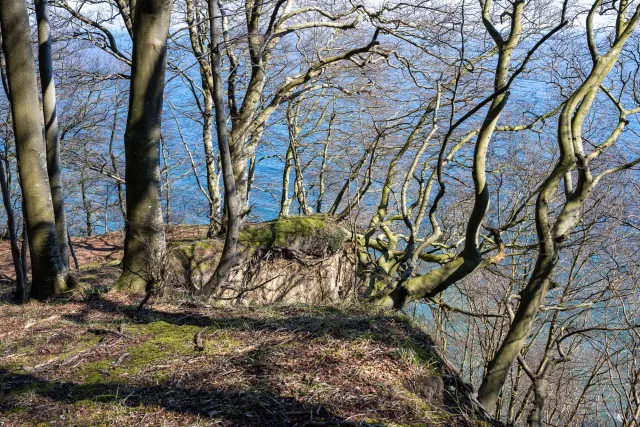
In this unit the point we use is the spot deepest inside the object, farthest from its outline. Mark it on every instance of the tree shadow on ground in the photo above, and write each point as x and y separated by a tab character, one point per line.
252	407
351	324
310	322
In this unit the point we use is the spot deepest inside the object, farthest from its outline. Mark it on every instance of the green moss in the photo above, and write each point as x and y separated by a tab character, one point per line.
96	372
419	357
278	232
310	233
164	341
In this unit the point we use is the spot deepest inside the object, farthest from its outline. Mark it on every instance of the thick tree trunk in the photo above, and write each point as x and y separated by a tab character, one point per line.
530	300
229	251
241	177
48	271
144	237
54	166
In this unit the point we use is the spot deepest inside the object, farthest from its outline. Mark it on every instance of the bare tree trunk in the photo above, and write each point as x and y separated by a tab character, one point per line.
54	167
85	203
569	139
213	180
213	183
285	200
13	237
229	250
144	237
73	252
21	291
49	273
323	166
114	162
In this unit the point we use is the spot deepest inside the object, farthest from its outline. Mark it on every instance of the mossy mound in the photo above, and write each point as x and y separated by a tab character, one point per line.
311	235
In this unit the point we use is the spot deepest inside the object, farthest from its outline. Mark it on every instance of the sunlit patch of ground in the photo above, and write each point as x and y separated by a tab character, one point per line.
95	361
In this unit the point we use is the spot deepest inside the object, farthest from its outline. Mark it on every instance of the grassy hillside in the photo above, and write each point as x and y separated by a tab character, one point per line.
94	361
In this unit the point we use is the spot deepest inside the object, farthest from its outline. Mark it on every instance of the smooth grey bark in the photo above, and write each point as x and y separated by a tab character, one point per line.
48	271
470	259
52	138
206	76
285	200
550	234
144	228
21	291
229	251
213	180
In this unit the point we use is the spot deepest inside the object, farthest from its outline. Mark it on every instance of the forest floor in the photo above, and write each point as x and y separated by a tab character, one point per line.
95	360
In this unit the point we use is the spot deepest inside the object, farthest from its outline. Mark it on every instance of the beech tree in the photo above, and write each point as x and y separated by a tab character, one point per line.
49	275
144	239
54	166
573	157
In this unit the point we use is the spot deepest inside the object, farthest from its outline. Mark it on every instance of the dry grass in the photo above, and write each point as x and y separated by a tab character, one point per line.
97	362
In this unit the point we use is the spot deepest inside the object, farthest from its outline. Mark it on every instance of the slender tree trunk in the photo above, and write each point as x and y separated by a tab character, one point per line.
114	162
323	165
54	166
13	237
213	180
5	182
48	270
540	396
530	300
144	237
285	200
86	205
569	139
73	252
228	256
197	40
298	184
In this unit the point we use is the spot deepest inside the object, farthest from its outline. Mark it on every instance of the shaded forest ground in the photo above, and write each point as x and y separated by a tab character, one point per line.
94	360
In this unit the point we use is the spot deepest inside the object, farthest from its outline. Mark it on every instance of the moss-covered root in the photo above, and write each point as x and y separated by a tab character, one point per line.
131	282
65	283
